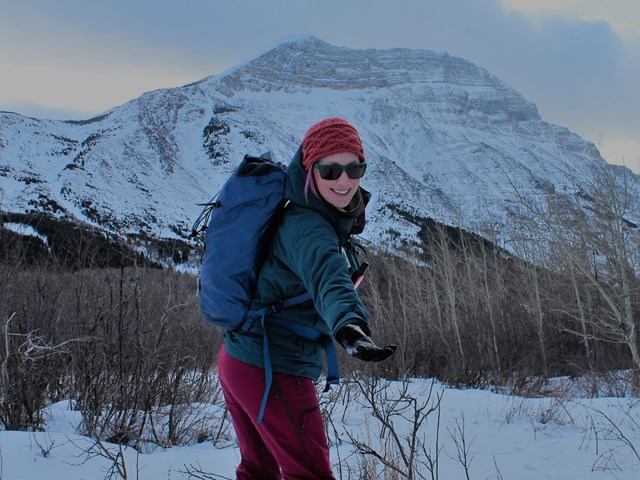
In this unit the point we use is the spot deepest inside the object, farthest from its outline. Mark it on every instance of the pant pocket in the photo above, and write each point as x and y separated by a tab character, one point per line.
309	414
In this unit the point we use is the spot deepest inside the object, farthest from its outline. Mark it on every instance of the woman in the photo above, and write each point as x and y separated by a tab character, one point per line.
326	205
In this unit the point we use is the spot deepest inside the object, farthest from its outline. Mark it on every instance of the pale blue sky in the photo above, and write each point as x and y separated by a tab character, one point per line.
578	60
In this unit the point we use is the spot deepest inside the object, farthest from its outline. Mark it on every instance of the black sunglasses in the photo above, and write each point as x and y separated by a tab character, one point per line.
333	172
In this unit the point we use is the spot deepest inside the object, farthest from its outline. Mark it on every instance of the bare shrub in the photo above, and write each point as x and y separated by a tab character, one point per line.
614	436
127	346
396	442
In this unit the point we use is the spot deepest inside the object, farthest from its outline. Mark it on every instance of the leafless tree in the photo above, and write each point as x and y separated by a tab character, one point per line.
601	251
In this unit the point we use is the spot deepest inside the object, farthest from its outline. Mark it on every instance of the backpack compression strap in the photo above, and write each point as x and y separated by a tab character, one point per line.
308	333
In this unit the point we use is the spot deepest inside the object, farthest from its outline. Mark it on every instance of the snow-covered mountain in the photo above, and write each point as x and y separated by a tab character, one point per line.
444	139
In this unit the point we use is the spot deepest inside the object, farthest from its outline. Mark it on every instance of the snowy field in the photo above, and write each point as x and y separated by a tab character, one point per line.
459	434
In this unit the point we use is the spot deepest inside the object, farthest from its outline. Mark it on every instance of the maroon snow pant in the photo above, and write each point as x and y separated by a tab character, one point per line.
290	443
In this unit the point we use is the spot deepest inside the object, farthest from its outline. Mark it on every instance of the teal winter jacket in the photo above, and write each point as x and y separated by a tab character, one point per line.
306	255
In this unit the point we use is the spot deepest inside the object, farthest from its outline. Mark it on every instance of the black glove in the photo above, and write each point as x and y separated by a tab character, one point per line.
358	344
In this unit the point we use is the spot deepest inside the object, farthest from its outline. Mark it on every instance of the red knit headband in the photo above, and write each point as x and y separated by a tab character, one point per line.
329	136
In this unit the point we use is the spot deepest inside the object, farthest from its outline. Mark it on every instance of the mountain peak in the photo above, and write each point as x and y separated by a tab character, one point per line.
300	39
441	133
302	62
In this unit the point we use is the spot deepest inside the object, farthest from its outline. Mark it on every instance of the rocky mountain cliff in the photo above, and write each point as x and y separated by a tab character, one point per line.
444	138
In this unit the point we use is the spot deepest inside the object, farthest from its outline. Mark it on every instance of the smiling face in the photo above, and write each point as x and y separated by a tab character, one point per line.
337	192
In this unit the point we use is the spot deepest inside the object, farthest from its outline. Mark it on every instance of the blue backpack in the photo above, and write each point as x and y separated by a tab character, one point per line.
238	224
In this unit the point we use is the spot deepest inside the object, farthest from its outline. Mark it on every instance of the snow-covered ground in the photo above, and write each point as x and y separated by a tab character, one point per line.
496	436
